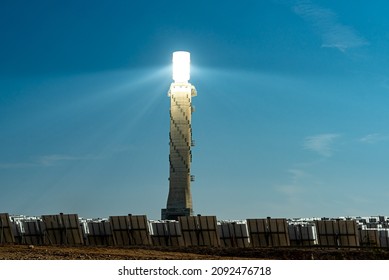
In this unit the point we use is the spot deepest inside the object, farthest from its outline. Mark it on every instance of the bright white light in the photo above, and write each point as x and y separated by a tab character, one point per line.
181	67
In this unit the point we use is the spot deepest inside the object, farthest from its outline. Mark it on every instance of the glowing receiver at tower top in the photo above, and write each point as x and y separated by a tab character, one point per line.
181	67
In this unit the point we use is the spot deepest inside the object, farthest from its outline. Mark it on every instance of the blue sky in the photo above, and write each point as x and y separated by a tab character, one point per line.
290	115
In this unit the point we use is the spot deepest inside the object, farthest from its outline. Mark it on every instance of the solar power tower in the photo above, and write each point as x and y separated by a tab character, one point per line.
179	202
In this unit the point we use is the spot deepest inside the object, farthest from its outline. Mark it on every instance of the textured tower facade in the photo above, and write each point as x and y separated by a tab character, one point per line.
179	202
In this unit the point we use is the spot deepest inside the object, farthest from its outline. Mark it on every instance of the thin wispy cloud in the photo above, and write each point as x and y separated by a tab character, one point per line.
297	174
289	190
325	22
321	144
374	138
50	160
294	186
58	159
46	161
16	165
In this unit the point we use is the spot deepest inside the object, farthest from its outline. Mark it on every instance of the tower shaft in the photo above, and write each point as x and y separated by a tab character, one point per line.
179	201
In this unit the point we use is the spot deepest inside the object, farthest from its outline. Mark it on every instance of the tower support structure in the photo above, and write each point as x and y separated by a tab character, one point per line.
179	202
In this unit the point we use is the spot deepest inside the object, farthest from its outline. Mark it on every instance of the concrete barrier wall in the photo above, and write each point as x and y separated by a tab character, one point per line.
268	232
69	229
337	233
234	234
166	233
6	234
302	234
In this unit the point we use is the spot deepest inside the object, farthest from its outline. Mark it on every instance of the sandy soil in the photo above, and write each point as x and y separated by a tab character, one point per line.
25	252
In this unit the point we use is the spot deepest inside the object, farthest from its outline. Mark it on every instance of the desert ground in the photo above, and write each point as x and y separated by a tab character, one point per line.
26	252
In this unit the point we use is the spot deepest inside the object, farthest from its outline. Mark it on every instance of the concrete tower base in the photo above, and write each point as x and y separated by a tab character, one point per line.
174	213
